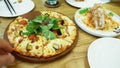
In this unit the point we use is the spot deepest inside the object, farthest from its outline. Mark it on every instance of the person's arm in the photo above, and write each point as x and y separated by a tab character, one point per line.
5	56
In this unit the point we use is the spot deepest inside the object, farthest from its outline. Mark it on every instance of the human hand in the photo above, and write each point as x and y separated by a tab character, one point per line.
5	56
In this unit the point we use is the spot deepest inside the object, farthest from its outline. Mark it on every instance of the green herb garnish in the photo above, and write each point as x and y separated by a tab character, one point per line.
110	14
84	10
42	25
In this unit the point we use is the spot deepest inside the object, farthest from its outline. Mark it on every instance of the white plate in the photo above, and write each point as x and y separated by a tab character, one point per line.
104	53
21	8
86	3
94	32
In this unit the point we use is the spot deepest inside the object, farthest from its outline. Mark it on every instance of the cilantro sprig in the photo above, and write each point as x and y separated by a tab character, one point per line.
42	25
84	10
111	14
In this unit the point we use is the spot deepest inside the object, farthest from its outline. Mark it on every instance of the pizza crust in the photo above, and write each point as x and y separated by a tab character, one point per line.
42	47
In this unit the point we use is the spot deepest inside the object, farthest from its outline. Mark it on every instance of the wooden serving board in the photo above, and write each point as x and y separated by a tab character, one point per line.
31	16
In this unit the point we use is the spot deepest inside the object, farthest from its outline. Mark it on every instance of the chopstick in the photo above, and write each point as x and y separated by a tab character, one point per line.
8	4
11	6
8	7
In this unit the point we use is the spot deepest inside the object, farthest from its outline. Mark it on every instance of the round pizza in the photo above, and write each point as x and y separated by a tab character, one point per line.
47	35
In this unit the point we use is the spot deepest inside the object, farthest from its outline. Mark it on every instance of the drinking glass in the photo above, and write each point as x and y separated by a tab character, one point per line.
52	2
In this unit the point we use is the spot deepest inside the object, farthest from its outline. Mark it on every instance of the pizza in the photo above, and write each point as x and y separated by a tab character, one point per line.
45	36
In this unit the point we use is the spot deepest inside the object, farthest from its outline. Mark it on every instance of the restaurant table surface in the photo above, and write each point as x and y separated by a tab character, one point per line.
77	58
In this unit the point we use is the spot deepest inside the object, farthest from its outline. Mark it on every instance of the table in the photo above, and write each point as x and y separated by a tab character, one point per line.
77	58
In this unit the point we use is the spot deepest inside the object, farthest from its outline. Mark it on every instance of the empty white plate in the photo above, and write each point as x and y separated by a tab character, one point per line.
96	32
104	53
85	3
21	8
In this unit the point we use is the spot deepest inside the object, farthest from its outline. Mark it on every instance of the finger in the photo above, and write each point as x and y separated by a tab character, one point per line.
2	52
5	46
6	59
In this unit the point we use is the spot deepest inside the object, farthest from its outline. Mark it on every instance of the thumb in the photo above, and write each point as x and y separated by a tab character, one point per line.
6	59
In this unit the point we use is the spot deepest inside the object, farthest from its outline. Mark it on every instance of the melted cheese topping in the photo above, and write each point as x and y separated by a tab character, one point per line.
41	47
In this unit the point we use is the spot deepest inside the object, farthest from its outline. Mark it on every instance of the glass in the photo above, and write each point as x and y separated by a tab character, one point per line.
52	2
